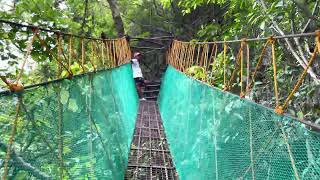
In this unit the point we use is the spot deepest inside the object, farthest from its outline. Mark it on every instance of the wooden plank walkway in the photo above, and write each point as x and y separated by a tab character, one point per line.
150	157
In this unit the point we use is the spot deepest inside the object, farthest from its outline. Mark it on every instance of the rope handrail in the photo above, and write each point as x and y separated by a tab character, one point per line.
114	51
56	31
28	87
310	34
241	68
152	38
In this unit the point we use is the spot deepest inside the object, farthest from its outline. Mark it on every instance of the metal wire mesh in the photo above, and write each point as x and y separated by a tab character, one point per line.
149	157
217	135
72	129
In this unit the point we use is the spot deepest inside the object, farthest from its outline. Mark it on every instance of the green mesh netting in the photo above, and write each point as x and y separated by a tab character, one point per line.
97	114
216	135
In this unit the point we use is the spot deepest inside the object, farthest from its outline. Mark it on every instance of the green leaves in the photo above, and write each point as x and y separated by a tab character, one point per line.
69	102
64	96
197	72
190	5
206	32
64	15
72	106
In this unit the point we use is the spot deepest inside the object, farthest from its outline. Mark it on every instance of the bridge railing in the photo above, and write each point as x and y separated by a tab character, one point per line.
51	54
214	134
74	119
271	71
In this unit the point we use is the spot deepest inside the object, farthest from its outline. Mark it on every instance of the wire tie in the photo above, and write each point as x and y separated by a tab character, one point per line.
279	110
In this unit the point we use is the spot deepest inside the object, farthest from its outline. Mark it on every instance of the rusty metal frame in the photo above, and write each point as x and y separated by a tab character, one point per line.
150	157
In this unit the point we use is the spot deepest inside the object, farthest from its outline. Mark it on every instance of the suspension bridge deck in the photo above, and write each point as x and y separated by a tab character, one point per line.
150	157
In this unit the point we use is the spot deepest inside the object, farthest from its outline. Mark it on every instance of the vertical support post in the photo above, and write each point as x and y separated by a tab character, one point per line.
11	139
60	138
59	55
198	54
70	53
274	71
102	53
248	66
224	66
296	174
82	54
90	144
251	145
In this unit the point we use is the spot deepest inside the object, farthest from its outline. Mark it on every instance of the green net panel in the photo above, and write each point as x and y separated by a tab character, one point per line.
88	120
216	135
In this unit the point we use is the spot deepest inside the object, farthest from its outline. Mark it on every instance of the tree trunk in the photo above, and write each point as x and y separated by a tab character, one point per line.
116	17
84	19
302	60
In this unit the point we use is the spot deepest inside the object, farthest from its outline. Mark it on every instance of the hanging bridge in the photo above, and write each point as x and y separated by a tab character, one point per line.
86	122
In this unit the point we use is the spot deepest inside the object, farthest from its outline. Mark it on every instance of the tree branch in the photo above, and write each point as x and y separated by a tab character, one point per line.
304	9
116	17
156	9
149	41
314	11
84	19
148	26
292	23
291	49
297	42
19	162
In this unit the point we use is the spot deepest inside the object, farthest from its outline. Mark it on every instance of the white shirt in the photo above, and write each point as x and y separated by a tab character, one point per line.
136	68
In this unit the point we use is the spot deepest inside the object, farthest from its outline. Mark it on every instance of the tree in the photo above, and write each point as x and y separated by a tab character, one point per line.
116	17
262	18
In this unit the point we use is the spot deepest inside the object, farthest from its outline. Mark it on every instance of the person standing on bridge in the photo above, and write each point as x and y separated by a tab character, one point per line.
137	73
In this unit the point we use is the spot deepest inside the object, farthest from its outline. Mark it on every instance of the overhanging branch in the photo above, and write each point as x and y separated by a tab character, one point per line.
290	46
314	12
23	165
